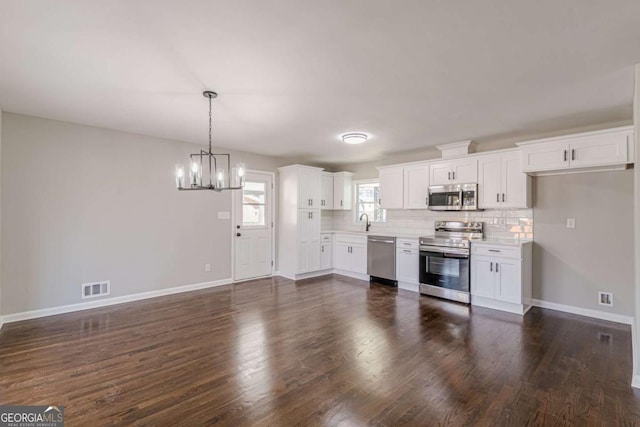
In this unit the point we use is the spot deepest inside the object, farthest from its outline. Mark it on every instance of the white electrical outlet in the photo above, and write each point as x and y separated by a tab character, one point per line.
207	267
571	223
224	215
605	298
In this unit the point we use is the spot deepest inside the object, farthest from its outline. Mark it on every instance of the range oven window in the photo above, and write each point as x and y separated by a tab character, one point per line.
444	266
445	271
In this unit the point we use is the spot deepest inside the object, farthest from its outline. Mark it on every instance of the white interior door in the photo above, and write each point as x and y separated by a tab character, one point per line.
253	227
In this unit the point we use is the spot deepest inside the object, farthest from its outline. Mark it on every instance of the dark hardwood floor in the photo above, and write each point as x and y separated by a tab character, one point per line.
325	351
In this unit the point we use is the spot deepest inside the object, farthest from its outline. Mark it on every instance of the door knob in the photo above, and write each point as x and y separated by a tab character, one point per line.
237	226
238	234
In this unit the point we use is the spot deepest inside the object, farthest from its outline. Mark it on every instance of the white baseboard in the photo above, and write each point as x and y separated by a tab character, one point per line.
596	314
33	314
305	275
635	381
494	304
352	274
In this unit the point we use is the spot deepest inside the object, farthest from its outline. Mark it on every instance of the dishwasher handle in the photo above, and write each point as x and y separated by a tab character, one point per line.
381	241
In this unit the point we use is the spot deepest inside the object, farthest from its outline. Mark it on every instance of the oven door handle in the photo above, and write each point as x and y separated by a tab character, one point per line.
446	252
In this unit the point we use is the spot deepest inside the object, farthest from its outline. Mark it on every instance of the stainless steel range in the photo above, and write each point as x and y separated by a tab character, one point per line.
444	259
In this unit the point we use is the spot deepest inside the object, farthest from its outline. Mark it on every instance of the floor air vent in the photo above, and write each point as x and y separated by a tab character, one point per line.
95	289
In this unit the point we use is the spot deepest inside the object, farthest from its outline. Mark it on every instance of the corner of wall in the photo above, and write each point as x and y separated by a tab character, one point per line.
1	219
635	382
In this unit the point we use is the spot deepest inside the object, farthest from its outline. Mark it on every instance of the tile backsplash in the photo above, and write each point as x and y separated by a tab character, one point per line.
499	224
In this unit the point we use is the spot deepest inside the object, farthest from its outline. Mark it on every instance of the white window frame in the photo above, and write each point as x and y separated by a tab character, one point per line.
356	216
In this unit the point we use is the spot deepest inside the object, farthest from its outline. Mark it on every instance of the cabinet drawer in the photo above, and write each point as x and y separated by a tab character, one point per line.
407	244
496	250
325	237
351	239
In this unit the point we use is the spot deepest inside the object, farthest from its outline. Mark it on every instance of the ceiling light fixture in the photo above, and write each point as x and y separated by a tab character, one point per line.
354	138
225	178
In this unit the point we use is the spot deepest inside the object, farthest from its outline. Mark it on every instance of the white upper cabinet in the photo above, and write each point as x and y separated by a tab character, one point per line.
459	171
501	182
391	187
599	149
440	173
545	157
416	186
342	191
326	191
608	149
336	191
516	185
308	188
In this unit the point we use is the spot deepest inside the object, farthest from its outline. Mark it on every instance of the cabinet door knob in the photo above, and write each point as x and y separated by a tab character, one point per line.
502	197
498	197
449	176
490	266
238	234
497	267
453	174
573	154
565	155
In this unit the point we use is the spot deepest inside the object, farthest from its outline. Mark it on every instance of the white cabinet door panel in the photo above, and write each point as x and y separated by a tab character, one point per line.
545	156
326	258
416	186
515	183
303	257
314	256
407	265
599	150
440	173
392	188
359	259
326	199
464	171
482	276
489	182
341	256
508	280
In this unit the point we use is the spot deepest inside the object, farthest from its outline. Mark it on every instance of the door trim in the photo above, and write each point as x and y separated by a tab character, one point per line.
234	202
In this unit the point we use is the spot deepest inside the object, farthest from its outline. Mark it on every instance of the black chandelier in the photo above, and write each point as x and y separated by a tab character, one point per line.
220	177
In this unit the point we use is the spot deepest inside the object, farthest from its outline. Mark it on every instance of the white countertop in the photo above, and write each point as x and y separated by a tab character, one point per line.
491	241
375	233
504	242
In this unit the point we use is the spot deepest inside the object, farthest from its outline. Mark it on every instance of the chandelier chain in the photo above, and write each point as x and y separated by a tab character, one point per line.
210	118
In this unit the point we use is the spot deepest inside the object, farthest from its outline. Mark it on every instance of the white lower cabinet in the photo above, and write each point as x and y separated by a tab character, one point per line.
326	252
501	276
407	264
350	254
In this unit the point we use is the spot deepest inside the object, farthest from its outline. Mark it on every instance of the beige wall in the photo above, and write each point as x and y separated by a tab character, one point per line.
82	204
572	265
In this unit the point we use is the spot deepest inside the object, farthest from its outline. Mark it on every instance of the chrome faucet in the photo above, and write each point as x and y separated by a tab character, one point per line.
368	223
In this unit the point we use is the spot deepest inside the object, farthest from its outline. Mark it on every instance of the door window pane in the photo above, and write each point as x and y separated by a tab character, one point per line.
254	195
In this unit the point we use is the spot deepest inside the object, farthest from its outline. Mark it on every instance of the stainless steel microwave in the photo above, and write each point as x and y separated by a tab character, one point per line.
453	197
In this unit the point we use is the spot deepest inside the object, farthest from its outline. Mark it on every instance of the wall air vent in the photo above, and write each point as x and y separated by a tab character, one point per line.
96	289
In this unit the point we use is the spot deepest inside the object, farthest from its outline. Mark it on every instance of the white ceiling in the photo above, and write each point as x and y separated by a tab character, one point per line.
292	75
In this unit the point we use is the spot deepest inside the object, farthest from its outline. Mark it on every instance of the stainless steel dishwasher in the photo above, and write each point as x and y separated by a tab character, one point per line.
381	259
